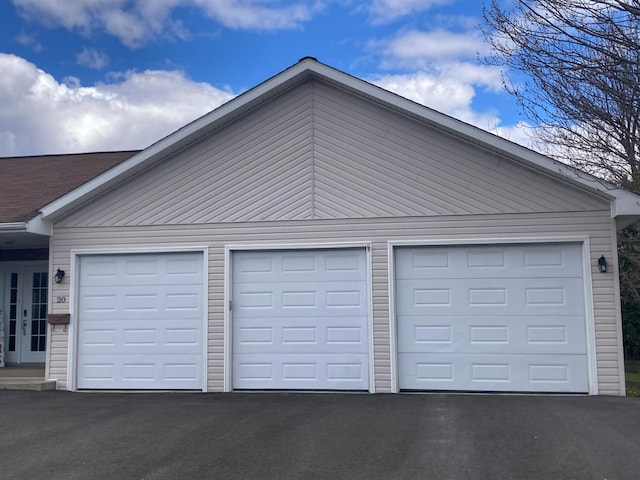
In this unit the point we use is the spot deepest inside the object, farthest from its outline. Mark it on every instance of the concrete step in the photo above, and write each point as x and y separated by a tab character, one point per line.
27	383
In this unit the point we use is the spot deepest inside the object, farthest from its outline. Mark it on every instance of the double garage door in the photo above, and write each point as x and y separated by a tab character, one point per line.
299	321
472	318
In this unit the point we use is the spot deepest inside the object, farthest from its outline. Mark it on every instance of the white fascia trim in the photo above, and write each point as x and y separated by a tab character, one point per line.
625	203
13	227
39	226
36	226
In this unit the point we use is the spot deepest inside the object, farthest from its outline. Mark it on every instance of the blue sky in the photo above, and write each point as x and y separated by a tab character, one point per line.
94	75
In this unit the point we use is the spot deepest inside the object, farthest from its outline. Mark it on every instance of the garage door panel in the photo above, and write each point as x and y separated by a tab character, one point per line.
261	267
503	334
141	321
111	302
136	270
292	299
507	373
300	320
499	296
301	371
311	334
497	317
131	337
135	371
547	261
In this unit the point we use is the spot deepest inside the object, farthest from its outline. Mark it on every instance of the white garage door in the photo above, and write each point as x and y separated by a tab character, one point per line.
491	318
141	321
300	320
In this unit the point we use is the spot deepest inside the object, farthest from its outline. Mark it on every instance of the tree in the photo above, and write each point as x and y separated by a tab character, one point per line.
573	67
577	78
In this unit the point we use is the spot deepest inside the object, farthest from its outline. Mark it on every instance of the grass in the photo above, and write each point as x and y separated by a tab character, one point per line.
632	376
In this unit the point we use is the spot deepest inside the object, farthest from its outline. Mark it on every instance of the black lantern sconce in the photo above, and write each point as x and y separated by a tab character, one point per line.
59	276
602	264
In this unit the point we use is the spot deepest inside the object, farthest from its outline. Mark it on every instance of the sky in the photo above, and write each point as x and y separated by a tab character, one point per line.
103	75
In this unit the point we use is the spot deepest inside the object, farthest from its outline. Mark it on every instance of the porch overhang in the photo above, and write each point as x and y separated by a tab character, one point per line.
34	233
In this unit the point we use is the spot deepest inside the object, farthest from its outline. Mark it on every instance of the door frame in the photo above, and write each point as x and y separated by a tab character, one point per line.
21	266
74	294
586	280
228	295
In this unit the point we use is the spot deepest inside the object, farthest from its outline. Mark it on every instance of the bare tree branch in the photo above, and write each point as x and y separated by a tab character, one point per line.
573	67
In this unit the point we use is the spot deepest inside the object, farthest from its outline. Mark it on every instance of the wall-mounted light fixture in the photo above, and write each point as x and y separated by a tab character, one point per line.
602	264
59	276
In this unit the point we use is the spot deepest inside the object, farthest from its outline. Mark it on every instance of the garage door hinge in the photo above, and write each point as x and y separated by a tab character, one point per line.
230	305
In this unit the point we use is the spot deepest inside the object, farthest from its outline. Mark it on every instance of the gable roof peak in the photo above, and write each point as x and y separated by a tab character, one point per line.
623	203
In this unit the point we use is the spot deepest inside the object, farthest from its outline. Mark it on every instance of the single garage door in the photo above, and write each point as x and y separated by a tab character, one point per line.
141	321
491	318
300	320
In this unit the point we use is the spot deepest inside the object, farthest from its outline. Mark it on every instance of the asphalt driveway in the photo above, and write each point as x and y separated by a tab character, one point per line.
58	435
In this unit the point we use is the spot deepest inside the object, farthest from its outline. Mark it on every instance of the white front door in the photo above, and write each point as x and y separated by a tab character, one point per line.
300	320
25	313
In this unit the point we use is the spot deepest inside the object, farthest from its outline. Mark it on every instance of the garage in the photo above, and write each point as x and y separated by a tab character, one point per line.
300	320
491	318
141	321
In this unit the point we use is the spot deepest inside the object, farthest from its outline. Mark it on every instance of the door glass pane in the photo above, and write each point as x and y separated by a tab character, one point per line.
39	312
13	312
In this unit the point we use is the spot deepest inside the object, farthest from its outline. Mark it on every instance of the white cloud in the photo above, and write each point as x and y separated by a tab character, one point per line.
385	11
441	72
135	22
453	96
443	94
522	133
92	58
41	115
256	15
29	40
418	48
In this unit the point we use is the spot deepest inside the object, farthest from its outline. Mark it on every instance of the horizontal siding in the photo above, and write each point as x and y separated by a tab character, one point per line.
373	162
596	225
319	152
238	174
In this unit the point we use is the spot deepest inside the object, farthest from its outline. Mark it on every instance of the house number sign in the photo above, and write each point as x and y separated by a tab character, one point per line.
61	299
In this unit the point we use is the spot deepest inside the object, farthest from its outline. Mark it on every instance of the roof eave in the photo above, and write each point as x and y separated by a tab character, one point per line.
13	227
36	226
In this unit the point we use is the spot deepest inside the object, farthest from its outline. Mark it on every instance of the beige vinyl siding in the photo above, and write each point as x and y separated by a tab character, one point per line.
594	224
317	164
319	152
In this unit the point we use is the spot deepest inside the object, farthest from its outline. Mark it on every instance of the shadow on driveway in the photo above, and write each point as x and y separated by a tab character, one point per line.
59	435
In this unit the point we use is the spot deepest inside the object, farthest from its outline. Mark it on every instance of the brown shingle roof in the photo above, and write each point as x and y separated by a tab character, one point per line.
29	183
